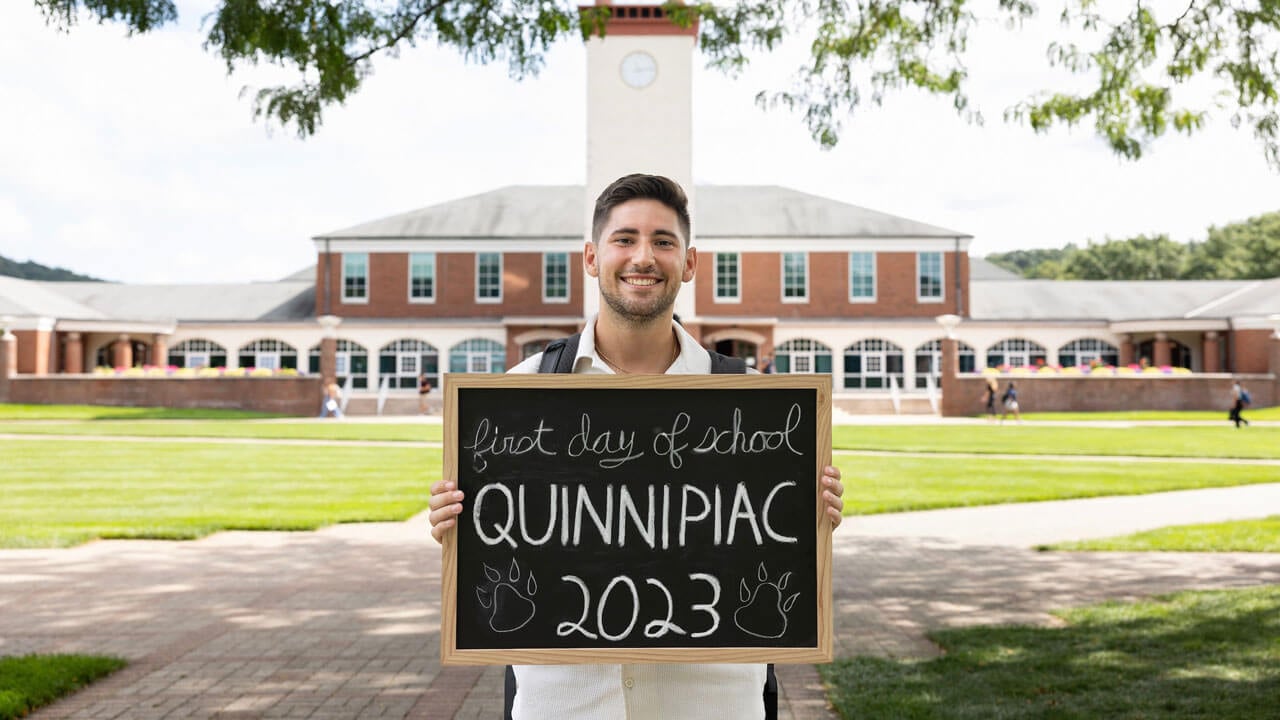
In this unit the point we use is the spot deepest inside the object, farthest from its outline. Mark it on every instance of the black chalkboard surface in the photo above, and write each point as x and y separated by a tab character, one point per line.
637	519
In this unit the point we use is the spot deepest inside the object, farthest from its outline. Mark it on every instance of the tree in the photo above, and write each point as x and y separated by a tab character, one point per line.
1139	58
1138	258
1244	250
1030	263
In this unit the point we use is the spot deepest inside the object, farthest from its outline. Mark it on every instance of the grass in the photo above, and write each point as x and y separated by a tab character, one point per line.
1191	655
1261	535
276	429
894	484
1270	413
102	412
61	493
1187	441
31	681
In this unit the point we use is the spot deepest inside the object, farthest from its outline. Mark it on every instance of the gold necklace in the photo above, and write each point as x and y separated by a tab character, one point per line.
619	369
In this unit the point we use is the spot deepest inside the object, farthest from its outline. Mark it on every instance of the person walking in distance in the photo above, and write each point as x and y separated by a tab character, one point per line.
1010	400
639	254
1239	399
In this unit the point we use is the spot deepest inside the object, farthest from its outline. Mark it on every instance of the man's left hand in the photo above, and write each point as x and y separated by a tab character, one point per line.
833	495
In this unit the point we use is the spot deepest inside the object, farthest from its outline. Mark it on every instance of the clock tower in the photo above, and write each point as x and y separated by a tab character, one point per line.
640	107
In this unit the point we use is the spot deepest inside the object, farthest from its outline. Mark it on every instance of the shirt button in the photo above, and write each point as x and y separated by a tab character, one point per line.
629	683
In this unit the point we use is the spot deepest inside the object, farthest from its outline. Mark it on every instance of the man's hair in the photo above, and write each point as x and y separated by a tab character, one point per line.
641	187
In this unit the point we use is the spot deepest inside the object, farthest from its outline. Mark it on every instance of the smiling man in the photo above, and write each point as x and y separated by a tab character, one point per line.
640	255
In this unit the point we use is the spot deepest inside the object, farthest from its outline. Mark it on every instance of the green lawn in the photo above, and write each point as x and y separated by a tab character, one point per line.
1261	535
274	429
894	484
1190	655
60	493
30	681
1186	441
10	411
1270	413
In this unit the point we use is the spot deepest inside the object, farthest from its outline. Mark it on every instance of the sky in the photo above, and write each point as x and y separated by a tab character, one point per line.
138	160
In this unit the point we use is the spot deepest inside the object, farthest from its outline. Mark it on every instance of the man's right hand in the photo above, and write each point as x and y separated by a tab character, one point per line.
446	505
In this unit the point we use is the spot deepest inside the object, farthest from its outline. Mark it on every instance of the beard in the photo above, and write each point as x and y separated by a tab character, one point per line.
635	311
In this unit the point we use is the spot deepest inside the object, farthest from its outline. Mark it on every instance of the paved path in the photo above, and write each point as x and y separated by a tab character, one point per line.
340	623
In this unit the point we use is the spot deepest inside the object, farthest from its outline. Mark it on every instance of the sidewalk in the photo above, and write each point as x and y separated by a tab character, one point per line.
341	623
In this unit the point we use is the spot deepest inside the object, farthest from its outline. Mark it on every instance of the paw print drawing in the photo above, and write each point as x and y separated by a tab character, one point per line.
509	607
764	612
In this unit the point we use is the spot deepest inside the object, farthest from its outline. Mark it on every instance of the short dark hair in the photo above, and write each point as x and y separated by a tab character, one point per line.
641	187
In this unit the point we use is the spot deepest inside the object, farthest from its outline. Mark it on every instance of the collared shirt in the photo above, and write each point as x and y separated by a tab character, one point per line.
637	692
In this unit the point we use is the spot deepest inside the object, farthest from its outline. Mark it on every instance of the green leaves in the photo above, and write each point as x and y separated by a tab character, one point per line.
1147	66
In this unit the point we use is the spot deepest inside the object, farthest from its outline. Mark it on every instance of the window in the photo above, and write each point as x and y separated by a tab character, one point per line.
929	276
422	277
802	356
862	277
489	277
355	277
269	354
351	360
929	362
1088	351
1015	352
872	364
795	277
403	360
197	354
727	277
555	277
478	355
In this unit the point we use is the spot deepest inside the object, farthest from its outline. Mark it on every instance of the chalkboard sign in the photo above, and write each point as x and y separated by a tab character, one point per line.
666	518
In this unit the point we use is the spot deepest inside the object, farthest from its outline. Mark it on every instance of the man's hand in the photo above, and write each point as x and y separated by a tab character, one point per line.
832	494
446	504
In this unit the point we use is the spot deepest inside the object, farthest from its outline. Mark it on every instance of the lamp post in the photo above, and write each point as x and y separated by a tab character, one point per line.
949	323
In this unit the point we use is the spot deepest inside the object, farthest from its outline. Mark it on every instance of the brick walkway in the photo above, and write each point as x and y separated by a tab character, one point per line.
341	623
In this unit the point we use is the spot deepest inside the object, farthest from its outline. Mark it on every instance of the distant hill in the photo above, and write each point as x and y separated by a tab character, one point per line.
35	271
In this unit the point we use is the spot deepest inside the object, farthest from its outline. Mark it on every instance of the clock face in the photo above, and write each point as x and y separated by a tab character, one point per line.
639	69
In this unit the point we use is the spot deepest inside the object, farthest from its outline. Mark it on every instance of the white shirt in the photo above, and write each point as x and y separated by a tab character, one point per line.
637	692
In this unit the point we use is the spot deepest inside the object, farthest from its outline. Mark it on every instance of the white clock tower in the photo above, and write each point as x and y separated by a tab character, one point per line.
640	108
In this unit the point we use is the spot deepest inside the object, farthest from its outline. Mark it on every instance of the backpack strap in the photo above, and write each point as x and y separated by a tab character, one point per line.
725	365
559	355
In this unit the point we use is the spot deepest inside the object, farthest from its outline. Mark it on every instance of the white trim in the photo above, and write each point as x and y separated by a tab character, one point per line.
715	278
568	277
487	300
106	326
1172	325
782	277
829	244
942	281
875	284
434	275
453	245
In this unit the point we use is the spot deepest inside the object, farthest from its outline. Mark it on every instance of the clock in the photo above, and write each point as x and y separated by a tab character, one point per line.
639	69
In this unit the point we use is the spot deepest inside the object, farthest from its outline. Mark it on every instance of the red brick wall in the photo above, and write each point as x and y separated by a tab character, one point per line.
760	287
455	288
35	353
1251	351
287	395
962	396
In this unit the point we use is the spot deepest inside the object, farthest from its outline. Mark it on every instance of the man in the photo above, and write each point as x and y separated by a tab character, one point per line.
639	253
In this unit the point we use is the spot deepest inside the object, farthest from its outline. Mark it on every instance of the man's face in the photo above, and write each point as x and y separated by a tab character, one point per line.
641	259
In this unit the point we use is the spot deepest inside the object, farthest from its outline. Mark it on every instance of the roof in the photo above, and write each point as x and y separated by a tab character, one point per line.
983	269
557	211
241	302
1118	300
29	298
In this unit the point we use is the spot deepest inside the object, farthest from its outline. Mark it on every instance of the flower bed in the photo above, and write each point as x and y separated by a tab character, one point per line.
1085	370
172	371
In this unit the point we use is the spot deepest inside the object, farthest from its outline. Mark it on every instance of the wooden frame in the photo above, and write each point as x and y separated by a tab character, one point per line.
451	654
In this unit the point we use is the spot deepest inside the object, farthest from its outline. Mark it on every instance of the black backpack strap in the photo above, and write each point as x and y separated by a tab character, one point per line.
725	365
559	355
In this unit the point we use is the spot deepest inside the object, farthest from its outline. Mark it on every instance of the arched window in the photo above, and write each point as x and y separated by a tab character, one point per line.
403	360
478	356
1015	352
351	359
1087	351
929	361
269	354
197	353
872	364
802	356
